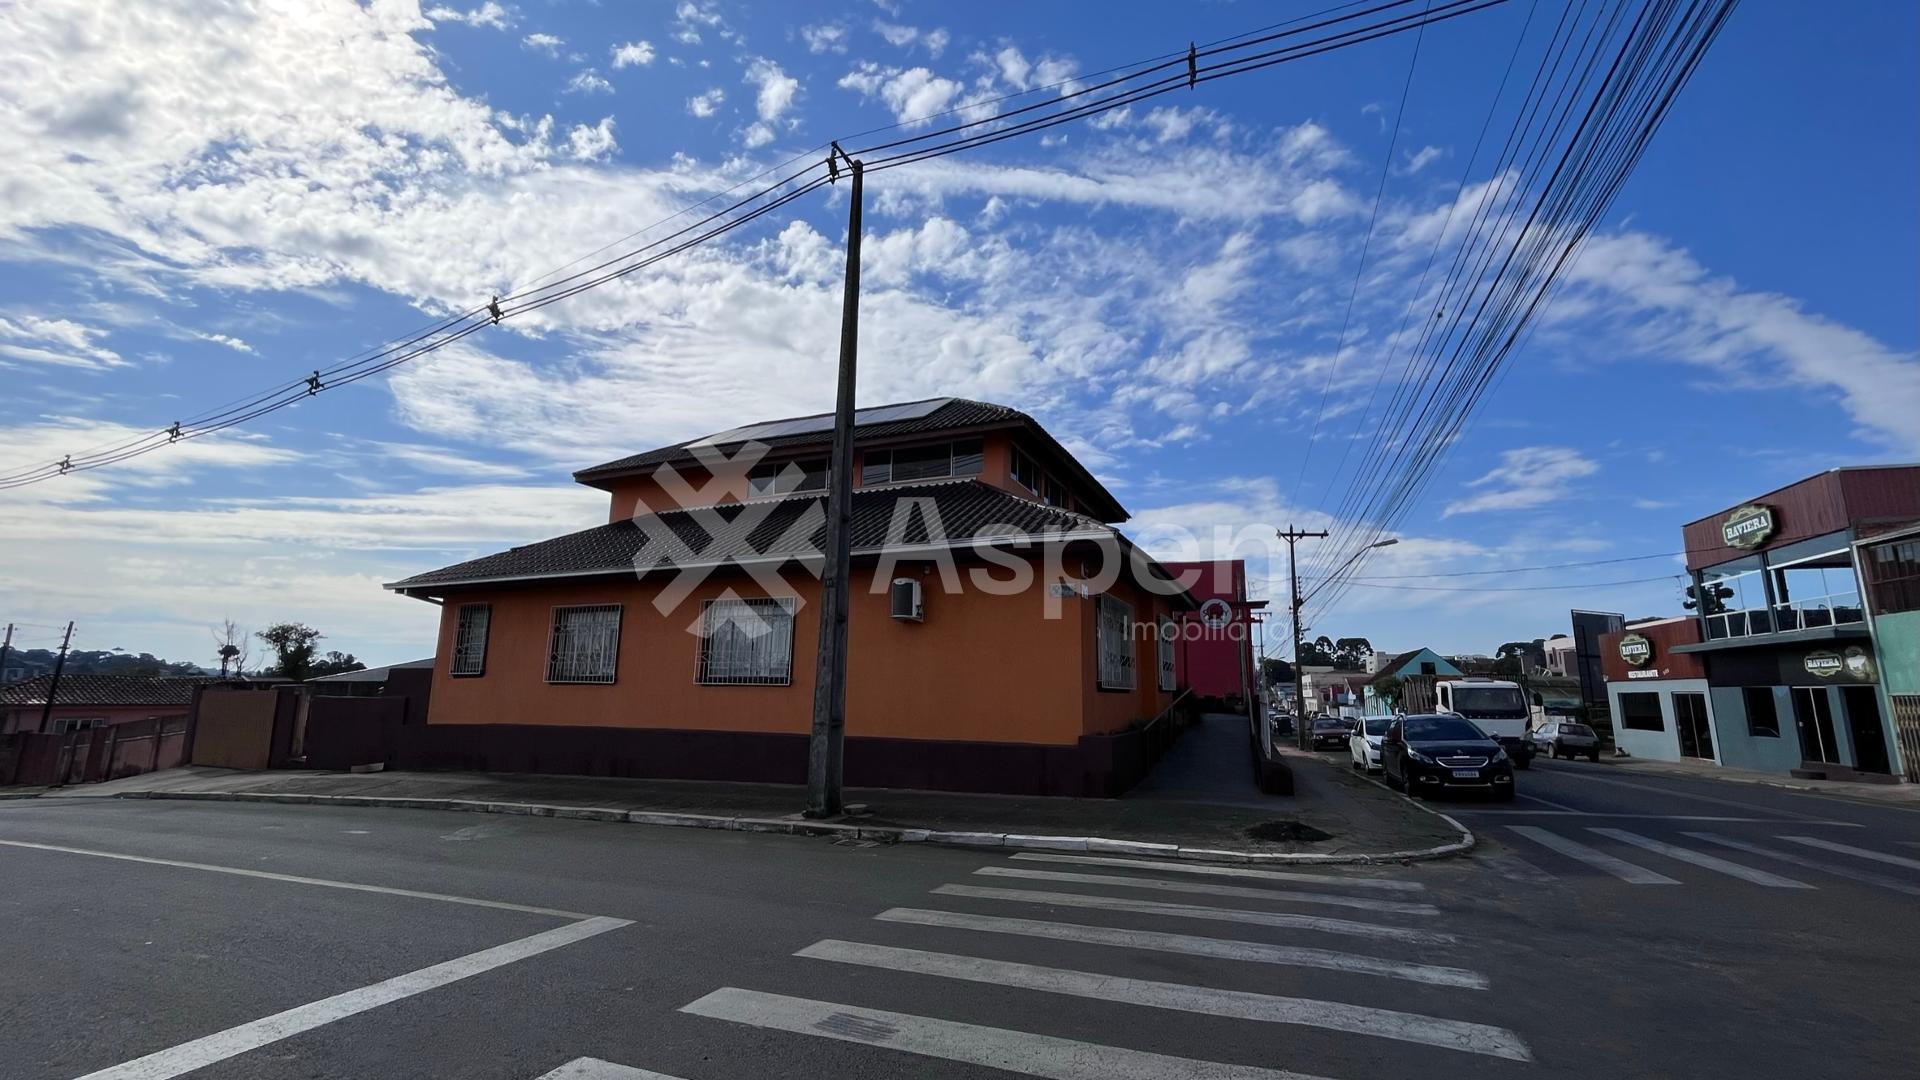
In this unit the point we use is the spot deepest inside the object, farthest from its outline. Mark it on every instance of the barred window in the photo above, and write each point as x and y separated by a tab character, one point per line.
1164	652
746	643
1114	644
585	644
470	639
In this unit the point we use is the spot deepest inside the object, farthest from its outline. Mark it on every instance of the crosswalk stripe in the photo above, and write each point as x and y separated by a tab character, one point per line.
1285	920
1212	870
1207	1001
1594	857
1514	868
1799	860
1702	859
595	1069
994	1048
1192	945
1206	888
1845	849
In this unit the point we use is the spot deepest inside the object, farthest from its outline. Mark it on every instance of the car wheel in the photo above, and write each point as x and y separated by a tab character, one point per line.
1387	775
1593	756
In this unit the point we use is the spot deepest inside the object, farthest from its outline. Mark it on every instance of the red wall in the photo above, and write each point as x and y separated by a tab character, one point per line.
1212	663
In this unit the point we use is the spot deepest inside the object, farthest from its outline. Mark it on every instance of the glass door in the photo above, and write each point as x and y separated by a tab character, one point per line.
1813	714
1690	717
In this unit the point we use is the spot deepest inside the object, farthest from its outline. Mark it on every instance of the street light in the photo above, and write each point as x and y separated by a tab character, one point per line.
1388	542
1299	601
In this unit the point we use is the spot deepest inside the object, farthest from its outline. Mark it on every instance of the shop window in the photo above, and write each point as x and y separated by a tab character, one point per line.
1641	712
1114	644
746	643
1893	576
585	645
470	639
1813	584
1763	716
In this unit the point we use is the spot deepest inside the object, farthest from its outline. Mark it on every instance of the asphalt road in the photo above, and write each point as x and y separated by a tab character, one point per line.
505	947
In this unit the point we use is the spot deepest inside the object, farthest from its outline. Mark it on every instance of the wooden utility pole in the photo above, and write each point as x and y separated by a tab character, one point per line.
6	647
53	687
1302	731
825	750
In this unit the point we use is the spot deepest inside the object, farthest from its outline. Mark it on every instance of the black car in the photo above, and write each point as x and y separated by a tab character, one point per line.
1330	732
1431	753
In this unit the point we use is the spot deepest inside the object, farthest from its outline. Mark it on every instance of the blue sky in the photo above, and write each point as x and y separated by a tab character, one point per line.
201	204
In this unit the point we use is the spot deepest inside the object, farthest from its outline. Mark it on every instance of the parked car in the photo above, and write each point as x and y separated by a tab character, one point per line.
1282	724
1566	738
1365	741
1431	753
1330	732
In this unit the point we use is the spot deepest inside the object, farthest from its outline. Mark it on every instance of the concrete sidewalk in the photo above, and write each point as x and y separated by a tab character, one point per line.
1361	822
1900	794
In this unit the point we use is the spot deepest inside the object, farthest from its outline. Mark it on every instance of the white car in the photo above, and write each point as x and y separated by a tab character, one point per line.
1365	741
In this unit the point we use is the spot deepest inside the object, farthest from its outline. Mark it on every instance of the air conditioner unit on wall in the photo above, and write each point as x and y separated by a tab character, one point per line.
907	602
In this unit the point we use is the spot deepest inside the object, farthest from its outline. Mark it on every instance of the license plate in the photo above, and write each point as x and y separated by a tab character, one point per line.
1467	774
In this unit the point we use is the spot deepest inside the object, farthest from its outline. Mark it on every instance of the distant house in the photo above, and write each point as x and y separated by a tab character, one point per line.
1003	635
1415	664
87	701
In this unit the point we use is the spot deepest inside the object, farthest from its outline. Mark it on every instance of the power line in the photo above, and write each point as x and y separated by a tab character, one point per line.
458	327
1529	569
1513	588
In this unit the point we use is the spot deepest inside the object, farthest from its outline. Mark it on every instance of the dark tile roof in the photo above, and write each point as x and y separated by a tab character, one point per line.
965	508
103	690
956	413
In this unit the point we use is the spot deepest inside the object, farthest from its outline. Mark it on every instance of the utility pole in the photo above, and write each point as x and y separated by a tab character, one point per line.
5	648
53	688
1301	730
825	749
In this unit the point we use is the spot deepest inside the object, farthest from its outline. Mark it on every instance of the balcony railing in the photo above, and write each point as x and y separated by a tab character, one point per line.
1805	614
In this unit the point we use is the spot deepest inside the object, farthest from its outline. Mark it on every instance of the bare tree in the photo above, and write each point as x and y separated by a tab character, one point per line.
231	645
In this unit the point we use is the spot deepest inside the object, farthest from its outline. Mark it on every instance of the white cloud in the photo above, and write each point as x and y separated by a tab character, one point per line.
894	34
489	14
828	37
689	17
545	43
228	340
705	105
591	143
914	95
589	81
756	135
1021	73
777	89
1526	477
632	54
72	344
1423	157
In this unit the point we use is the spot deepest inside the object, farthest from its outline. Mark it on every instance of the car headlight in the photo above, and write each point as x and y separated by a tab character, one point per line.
1418	756
1499	756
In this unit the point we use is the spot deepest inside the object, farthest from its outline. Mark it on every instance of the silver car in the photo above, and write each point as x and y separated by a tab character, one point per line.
1567	738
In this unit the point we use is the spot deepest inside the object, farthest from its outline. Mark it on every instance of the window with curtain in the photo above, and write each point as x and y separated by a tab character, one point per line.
746	643
585	645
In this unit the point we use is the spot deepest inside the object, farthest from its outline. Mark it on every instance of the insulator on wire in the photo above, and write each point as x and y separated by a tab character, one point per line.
1193	66
66	463
173	433
493	309
313	384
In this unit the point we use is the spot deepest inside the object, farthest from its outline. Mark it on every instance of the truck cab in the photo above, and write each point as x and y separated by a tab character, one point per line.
1496	706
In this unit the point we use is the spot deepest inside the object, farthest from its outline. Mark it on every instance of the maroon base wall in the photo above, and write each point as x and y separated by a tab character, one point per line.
1098	766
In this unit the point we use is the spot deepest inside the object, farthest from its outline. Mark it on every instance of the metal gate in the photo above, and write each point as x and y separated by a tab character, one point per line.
1906	730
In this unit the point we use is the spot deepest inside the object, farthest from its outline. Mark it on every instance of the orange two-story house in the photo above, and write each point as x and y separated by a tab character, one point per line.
1003	635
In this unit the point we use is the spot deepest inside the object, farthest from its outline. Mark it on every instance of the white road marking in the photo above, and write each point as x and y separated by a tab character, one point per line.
1702	859
1514	868
1284	920
1207	888
1206	1001
1191	945
993	1048
1588	777
294	879
234	1041
1594	857
1509	811
1548	802
1211	870
1798	860
1891	860
595	1069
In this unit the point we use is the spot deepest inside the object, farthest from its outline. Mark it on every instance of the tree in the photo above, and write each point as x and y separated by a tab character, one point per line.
230	645
293	646
335	663
1351	653
1388	688
1319	651
1530	654
1276	671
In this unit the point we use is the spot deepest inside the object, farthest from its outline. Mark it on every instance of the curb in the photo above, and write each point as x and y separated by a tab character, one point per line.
798	826
1461	846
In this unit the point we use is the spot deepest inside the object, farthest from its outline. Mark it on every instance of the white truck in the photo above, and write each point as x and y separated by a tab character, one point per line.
1497	707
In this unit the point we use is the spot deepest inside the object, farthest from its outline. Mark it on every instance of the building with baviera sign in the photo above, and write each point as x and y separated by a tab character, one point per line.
1777	668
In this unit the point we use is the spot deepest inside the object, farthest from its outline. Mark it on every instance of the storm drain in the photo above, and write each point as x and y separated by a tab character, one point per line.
1284	831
